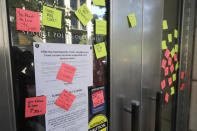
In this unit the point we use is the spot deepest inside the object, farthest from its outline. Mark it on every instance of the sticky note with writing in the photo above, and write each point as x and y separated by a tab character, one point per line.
172	91
164	45
170	81
175	33
165	25
66	73
176	48
99	2
163	84
167	97
182	75
27	20
172	68
177	66
169	61
84	14
163	64
167	53
98	98
172	52
65	100
169	38
132	20
100	50
101	27
175	57
174	77
166	71
35	106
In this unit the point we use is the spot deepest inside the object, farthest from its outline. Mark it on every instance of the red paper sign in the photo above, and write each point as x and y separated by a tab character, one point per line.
172	68
35	106
182	75
27	20
175	57
164	62
98	98
169	61
66	73
182	87
167	53
166	71
65	100
167	97
170	81
163	84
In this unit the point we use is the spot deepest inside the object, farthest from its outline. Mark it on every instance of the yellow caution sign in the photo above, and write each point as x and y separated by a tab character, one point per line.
98	123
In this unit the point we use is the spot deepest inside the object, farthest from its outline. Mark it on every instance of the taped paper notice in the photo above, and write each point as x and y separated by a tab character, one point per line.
84	14
166	71
172	68
170	81
100	50
172	91
182	75
175	33
163	64
99	2
132	20
165	25
27	20
52	17
66	73
98	98
35	106
101	27
167	97
65	100
169	61
167	53
163	84
169	38
164	45
174	77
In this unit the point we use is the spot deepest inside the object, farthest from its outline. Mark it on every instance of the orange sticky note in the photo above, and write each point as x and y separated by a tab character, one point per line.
65	100
170	81
66	73
163	64
163	84
167	97
35	106
172	68
182	75
27	20
98	98
167	53
169	61
166	71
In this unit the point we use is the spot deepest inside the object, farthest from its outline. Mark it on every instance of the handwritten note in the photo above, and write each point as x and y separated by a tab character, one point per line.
98	98
65	100
27	20
172	91
52	17
170	81
167	97
164	46
174	77
66	73
100	50
84	14
163	84
132	20
166	71
169	38
175	33
101	27
182	86
182	75
165	25
175	57
176	48
167	53
163	63
169	61
35	106
172	52
99	2
172	68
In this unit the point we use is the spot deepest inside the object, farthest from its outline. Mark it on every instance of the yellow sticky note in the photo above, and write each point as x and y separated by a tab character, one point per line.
100	50
172	91
177	66
170	38
84	14
172	52
165	25
175	33
174	77
132	20
52	17
101	27
99	2
176	48
164	45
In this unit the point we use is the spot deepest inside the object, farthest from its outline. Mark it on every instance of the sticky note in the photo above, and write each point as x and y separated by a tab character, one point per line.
164	45
172	91
174	77
167	97
27	20
101	27
165	25
167	53
182	75
100	50
176	48
182	86
169	38
66	73
99	2
35	106
52	17
98	98
166	71
175	33
172	52
170	81
169	61
175	57
132	20
172	68
84	14
65	100
163	84
163	63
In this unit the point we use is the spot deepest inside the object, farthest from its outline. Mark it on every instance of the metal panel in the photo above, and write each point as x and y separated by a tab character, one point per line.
194	72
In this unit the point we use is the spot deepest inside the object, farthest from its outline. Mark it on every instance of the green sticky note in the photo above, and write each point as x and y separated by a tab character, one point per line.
132	20
170	38
174	77
99	2
100	50
52	17
177	66
165	25
172	52
84	14
172	91
175	33
164	45
101	27
176	48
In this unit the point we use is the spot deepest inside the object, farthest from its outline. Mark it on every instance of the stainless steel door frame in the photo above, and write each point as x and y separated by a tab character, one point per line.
7	118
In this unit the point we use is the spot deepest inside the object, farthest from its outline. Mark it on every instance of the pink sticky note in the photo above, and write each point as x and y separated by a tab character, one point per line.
35	106
163	84
66	73
65	100
163	64
172	68
27	20
167	53
166	71
170	81
182	86
175	57
98	98
182	75
167	97
169	61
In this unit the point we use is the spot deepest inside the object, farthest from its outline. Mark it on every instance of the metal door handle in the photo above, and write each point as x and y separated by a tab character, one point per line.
158	111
